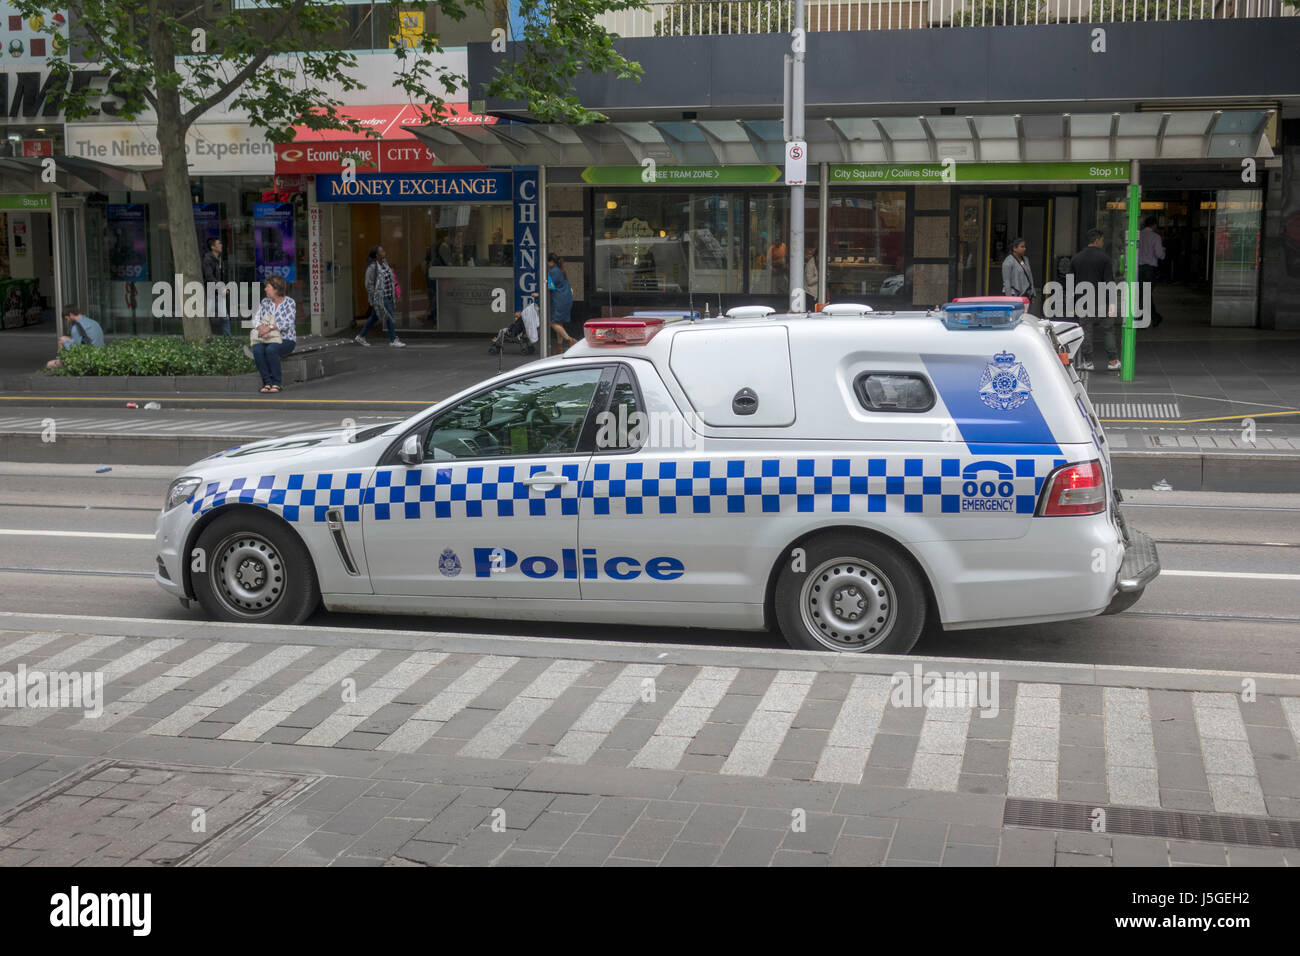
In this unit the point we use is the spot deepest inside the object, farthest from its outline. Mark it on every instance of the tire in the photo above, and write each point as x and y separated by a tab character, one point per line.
257	571
871	581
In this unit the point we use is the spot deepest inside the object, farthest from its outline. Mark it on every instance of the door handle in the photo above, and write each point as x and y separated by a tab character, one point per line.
546	478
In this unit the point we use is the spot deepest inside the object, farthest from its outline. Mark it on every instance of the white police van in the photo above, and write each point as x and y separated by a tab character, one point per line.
845	476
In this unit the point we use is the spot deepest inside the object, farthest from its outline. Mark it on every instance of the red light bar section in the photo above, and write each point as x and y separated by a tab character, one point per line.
621	331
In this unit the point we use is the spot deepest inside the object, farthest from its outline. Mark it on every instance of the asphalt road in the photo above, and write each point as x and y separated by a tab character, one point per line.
76	542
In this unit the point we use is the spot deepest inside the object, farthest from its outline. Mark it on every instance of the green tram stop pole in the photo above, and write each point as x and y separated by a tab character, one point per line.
1128	345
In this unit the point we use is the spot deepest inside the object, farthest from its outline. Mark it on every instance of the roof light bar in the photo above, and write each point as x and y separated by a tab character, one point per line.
637	331
1001	312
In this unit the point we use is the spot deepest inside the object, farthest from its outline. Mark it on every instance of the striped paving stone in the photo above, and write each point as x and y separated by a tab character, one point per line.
24	645
1225	749
761	739
1132	778
686	718
941	748
299	694
353	714
611	705
510	723
844	758
233	687
1034	767
455	697
175	676
62	661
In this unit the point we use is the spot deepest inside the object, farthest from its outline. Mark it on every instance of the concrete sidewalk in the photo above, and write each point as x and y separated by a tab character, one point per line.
369	748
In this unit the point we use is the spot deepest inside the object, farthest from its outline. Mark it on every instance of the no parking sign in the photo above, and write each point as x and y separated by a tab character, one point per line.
796	163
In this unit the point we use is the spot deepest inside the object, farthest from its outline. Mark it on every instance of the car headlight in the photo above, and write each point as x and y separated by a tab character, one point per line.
180	491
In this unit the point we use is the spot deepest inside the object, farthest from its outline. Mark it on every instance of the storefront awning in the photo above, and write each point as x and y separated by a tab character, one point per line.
396	150
73	175
1103	137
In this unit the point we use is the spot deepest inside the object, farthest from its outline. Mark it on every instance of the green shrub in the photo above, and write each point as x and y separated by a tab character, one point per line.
158	355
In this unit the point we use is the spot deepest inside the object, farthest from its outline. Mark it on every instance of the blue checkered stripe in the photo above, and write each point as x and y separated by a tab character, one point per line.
755	486
297	497
472	491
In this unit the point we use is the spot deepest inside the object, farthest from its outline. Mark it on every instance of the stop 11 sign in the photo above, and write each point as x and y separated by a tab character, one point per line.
796	163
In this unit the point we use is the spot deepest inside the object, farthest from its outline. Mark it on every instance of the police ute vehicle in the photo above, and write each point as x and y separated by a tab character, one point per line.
847	477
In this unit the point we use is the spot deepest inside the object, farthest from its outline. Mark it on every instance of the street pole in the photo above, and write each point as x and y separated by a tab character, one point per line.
1128	344
796	128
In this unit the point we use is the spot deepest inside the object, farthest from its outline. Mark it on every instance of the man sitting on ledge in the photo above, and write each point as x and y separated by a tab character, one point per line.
82	330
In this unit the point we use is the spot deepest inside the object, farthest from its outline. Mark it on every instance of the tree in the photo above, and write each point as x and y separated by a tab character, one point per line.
713	19
184	58
559	40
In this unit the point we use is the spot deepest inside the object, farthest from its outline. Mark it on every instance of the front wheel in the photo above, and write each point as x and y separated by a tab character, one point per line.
256	571
842	592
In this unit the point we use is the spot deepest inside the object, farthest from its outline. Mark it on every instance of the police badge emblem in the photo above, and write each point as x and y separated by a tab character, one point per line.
448	563
1005	383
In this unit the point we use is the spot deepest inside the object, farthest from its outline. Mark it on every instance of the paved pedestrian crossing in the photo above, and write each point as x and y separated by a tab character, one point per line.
1148	748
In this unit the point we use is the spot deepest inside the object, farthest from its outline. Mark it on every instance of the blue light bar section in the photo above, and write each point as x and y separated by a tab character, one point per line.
664	314
981	315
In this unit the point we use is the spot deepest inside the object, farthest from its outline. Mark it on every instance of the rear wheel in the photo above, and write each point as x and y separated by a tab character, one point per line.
256	570
847	593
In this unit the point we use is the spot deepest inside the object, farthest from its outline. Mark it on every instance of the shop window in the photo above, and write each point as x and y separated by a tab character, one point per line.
660	242
865	247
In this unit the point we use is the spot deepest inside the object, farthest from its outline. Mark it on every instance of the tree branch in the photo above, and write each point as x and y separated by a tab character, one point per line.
246	72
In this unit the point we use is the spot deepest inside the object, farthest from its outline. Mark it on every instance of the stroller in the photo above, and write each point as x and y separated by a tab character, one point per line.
522	331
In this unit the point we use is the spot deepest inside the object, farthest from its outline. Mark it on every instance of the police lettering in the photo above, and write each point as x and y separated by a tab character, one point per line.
573	564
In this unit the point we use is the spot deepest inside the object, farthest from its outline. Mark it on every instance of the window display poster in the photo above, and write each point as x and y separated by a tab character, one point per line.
207	220
273	252
128	241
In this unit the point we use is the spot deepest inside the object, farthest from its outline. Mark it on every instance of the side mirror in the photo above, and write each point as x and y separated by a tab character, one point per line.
411	453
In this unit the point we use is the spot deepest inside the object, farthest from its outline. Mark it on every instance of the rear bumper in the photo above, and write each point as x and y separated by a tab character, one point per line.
1141	563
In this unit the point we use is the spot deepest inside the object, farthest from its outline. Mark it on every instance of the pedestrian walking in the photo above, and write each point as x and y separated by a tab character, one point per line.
561	301
1091	267
214	272
810	276
381	290
1151	250
276	313
1017	275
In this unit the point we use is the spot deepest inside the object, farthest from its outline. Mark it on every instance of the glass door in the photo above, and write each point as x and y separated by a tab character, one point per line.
1236	232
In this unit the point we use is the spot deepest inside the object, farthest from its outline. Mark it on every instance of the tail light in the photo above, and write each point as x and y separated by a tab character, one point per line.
621	331
1078	489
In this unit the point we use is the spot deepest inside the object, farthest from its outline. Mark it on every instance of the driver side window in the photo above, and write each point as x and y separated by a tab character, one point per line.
542	415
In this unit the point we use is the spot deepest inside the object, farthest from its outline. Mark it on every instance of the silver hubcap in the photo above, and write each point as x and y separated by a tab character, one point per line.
248	575
848	604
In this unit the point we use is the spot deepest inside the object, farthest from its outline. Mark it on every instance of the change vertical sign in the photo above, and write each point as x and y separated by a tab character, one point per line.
527	266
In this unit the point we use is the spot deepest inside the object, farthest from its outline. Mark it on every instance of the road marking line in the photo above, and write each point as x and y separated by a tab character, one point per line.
352	714
120	535
1035	743
512	721
298	695
180	674
1225	751
455	697
687	718
767	726
1132	775
844	759
1231	574
243	680
581	741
